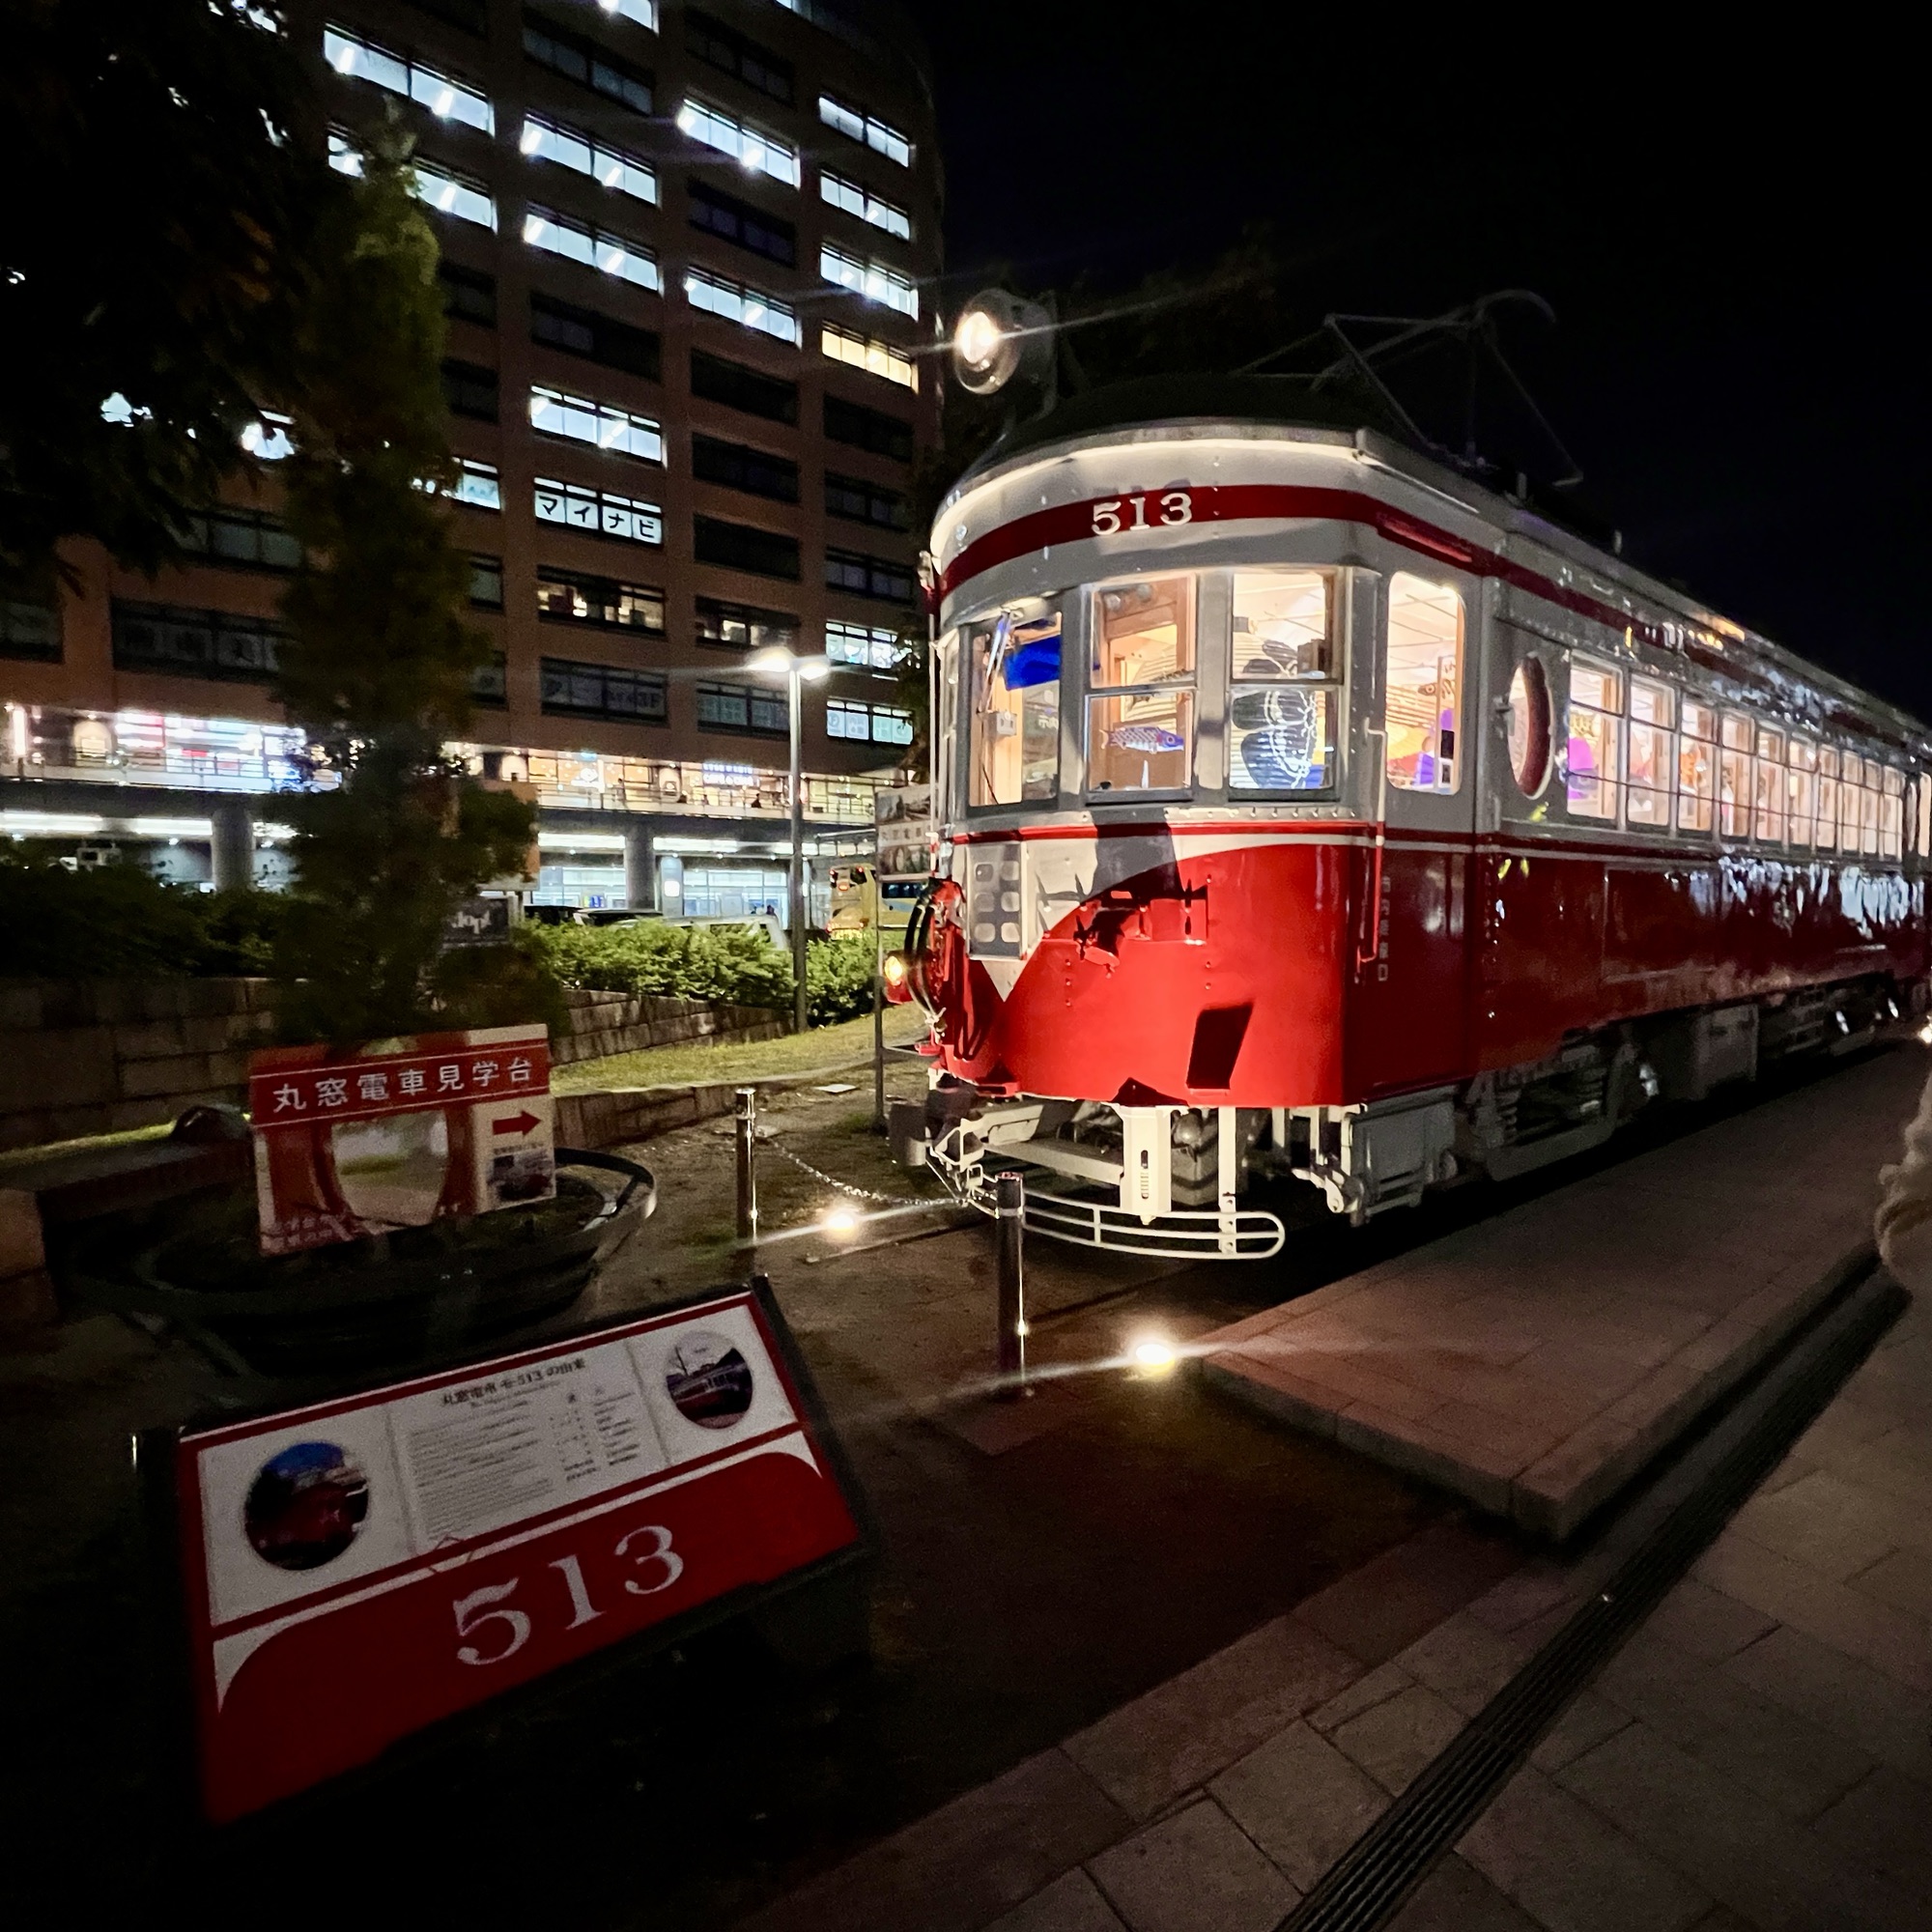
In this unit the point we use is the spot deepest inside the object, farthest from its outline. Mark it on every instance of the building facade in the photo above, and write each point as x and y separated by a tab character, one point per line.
689	257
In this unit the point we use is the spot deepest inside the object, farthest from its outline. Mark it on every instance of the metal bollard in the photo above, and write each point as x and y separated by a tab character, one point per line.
748	1172
1009	1220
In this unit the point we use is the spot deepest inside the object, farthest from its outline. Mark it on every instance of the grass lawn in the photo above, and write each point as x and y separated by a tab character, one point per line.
842	1046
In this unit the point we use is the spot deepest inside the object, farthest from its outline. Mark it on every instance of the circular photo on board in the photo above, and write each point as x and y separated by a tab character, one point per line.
709	1379
306	1505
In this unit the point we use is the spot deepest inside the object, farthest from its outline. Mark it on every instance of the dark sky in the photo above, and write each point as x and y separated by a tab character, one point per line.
1731	235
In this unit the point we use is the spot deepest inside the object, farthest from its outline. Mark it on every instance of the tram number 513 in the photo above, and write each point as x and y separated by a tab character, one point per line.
1169	507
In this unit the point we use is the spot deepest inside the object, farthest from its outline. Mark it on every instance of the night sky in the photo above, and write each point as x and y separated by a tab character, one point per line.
1731	238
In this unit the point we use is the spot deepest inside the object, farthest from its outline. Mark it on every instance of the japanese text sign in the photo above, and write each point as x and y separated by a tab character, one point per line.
357	1568
359	1143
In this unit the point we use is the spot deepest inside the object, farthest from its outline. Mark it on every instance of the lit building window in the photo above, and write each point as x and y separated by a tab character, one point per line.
459	195
595	247
744	626
868	724
571	597
854	198
547	140
643	12
600	512
875	281
740	707
758	153
865	645
447	98
737	303
868	576
600	424
876	359
267	440
571	690
856	125
477	483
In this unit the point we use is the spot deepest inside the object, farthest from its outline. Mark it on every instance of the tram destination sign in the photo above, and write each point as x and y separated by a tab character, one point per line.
357	1568
365	1142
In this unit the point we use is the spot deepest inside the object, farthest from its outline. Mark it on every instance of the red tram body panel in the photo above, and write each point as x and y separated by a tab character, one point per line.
1311	814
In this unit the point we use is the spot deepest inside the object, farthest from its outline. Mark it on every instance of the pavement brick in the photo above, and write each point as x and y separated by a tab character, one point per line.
1875	1633
1885	1824
1071	1903
1740	1850
1301	1801
1396	1741
1783	1759
1705	1623
1194	1873
1841	1694
1386	1604
1183	1732
1464	1661
1586	1721
1570	1870
1903	1579
1363	1694
1823	1523
966	1863
1455	1897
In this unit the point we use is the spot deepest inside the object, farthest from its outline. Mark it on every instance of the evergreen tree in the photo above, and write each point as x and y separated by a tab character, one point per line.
378	662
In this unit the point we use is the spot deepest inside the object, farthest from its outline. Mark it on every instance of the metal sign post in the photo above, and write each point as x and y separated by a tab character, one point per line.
1009	1222
748	1173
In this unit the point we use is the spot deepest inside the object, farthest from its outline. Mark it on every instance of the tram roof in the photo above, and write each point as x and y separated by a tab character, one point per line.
1200	402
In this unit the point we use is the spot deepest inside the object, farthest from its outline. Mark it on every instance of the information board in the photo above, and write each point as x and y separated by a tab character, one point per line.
358	1142
360	1567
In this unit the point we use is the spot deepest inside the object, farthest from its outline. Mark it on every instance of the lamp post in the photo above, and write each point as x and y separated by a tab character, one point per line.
797	673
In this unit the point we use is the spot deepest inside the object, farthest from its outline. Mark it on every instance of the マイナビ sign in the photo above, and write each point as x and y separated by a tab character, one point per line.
357	1568
362	1143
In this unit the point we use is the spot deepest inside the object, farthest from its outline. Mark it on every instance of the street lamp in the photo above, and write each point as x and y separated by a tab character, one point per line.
797	673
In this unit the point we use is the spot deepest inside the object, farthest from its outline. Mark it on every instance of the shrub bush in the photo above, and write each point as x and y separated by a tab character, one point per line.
120	923
735	964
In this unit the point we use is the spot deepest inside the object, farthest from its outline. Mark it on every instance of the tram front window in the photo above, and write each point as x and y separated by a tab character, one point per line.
1015	664
1139	715
1281	706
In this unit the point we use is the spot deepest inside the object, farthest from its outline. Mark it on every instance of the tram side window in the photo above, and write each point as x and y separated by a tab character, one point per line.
1596	719
1851	809
1422	681
1868	811
1891	816
1770	791
1827	797
1653	712
1281	701
1696	775
1015	664
1734	776
1804	789
1140	705
1923	786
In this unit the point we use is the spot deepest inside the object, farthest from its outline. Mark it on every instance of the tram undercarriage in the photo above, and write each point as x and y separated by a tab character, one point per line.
1182	1182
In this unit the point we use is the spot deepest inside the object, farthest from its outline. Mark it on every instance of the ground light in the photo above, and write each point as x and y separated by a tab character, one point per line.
840	1221
1152	1355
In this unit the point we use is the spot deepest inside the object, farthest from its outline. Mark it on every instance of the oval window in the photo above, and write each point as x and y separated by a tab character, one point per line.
1531	726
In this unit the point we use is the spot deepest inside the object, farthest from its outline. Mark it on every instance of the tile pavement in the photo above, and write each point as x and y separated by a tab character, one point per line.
1757	1757
1537	1361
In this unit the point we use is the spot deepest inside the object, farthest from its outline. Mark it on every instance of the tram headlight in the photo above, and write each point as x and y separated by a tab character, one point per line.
897	973
990	338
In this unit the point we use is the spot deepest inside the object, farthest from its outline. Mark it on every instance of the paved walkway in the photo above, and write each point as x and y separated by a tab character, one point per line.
1536	1361
1757	1754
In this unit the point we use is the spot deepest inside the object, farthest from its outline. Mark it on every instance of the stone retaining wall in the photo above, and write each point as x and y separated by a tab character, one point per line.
606	1023
98	1056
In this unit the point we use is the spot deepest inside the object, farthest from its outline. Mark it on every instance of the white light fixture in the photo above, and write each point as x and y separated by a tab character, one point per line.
1152	1355
995	333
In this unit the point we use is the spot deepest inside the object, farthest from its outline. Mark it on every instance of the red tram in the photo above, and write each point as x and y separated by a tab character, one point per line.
1311	811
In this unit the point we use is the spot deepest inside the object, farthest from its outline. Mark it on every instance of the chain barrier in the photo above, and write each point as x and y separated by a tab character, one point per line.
769	1144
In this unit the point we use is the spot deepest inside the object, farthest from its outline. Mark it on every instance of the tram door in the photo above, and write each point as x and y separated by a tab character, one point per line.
1408	1008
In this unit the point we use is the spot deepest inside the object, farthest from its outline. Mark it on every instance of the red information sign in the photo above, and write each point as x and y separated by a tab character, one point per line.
350	1144
358	1569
